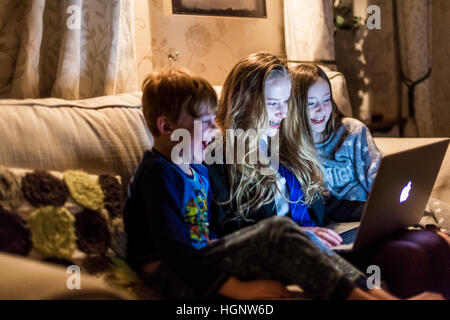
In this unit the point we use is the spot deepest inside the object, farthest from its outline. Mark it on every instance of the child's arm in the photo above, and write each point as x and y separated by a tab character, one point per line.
236	289
257	289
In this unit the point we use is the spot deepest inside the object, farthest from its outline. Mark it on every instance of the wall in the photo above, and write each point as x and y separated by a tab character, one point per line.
143	38
209	46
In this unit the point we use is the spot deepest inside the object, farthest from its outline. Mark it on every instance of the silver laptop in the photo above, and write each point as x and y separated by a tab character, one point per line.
398	197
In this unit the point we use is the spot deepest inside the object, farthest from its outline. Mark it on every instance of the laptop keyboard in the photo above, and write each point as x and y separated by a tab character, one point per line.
349	236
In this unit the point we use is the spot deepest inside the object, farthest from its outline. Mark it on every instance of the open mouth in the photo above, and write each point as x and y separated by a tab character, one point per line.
206	143
274	124
318	120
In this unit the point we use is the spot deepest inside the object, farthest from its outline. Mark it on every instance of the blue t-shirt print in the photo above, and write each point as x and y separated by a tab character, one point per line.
196	210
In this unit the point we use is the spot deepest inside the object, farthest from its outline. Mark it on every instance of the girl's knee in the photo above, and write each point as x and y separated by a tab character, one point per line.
428	240
285	227
281	227
395	251
280	223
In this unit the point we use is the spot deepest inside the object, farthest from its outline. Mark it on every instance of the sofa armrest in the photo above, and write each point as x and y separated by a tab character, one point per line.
26	279
441	189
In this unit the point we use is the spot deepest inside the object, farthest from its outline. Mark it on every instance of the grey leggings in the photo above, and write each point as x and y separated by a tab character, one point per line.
273	249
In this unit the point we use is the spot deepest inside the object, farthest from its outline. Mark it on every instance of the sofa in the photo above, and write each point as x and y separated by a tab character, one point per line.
99	137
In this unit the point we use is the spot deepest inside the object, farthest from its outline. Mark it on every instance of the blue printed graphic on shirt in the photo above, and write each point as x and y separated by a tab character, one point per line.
196	210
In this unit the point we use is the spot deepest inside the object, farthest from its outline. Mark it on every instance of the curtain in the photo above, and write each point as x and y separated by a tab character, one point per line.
308	26
414	33
70	49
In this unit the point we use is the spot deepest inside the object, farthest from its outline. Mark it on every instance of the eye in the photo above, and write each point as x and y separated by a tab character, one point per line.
327	100
272	104
311	104
207	120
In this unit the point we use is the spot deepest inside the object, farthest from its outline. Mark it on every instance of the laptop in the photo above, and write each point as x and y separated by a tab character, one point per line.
398	197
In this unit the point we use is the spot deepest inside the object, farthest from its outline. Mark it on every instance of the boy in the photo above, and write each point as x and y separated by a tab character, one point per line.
167	220
165	212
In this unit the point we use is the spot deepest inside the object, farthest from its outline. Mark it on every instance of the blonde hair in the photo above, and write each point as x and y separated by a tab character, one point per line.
304	76
173	93
242	106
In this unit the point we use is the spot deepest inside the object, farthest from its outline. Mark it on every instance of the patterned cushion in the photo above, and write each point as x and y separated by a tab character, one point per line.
69	217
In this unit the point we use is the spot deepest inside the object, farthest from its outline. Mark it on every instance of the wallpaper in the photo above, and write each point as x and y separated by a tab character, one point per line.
211	45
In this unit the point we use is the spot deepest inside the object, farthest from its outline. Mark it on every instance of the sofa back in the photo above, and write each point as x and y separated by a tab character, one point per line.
99	135
108	135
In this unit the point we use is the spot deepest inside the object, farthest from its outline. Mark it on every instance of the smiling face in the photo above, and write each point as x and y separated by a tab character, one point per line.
277	93
208	128
320	107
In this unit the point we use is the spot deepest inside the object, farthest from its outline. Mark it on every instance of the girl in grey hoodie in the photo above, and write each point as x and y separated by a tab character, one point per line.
350	160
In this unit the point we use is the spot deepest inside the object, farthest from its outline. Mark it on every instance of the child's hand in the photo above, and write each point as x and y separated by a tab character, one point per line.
327	236
445	236
427	296
257	289
264	289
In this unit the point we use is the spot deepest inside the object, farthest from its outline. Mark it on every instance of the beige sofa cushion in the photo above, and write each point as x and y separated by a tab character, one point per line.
22	278
340	92
99	135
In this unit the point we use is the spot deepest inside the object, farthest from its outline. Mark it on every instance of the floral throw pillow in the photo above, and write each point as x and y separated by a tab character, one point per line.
70	217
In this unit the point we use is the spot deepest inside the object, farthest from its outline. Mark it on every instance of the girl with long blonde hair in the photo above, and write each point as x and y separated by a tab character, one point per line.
243	106
257	96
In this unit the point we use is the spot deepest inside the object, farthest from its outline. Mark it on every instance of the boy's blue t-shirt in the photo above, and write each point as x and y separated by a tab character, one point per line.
195	204
166	218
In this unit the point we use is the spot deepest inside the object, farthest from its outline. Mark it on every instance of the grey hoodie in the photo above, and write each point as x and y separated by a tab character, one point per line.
350	160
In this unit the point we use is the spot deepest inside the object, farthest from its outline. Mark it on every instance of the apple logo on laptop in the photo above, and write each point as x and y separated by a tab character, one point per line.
405	192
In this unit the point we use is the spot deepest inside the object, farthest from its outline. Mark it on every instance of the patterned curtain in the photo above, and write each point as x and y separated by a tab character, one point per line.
308	26
70	49
414	32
